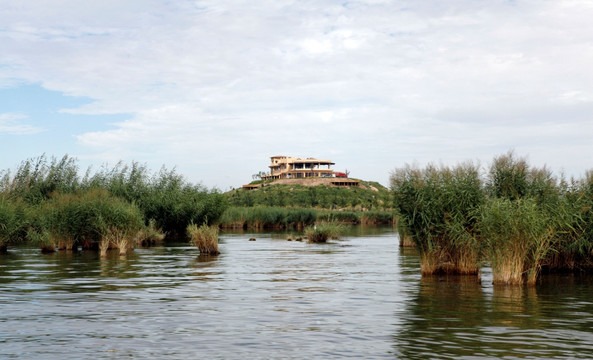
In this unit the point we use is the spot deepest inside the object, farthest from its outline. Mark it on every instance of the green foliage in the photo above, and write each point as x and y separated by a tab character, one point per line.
324	231
322	196
508	177
522	219
37	178
261	217
8	222
437	207
517	235
85	218
49	197
165	197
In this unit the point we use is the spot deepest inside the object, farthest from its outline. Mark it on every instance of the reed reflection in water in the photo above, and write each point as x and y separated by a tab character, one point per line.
459	317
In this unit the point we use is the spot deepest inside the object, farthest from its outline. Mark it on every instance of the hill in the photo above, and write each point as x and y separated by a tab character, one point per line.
313	193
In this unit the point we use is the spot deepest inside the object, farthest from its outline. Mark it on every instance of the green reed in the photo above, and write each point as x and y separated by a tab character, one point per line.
437	208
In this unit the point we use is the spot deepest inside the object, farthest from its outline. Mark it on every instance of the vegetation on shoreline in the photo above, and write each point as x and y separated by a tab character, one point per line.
266	217
519	218
46	202
368	196
282	206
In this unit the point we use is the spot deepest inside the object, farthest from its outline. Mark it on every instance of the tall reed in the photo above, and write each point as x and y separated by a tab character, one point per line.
517	236
87	218
150	235
205	238
324	231
8	223
437	208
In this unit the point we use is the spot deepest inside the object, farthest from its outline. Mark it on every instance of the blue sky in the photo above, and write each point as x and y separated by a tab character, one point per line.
214	88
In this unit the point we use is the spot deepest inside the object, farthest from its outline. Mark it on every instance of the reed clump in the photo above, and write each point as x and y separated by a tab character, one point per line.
437	208
324	231
150	235
92	218
522	220
8	223
205	238
517	236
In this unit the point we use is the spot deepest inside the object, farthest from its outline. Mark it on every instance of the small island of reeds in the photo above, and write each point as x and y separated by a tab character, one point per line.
518	218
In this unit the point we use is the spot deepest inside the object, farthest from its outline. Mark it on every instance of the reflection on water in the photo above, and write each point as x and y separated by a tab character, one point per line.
359	297
459	317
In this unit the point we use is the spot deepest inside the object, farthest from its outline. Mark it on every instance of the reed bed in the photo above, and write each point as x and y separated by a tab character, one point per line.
150	235
261	217
521	219
517	237
205	238
437	208
323	232
56	208
8	223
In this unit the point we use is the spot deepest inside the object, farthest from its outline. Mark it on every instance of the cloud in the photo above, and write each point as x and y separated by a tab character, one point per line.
377	83
11	124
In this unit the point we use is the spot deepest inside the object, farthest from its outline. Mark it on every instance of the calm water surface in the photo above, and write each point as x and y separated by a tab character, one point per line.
361	297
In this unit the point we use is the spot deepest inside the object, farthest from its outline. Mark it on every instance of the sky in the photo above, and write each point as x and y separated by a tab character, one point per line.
214	88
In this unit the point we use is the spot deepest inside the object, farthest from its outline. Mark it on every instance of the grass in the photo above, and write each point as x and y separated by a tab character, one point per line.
323	232
47	203
517	237
369	196
437	207
150	235
8	223
265	217
521	219
205	238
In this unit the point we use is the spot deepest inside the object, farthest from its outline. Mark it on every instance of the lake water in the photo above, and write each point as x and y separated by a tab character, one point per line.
361	297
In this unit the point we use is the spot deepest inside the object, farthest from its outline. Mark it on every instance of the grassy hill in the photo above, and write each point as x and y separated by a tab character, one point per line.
368	196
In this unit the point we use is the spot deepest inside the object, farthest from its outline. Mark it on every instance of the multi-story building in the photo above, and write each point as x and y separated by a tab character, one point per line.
287	167
308	172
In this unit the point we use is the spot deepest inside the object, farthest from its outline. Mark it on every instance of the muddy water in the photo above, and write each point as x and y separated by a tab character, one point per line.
361	297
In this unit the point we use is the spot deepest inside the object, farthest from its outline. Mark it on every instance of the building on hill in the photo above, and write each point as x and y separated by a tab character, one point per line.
290	169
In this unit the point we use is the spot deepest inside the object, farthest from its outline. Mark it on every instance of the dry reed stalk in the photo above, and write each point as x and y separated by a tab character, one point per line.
205	238
65	244
466	262
406	241
104	245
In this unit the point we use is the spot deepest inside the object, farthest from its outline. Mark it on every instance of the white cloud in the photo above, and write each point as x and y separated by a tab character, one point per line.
12	124
212	82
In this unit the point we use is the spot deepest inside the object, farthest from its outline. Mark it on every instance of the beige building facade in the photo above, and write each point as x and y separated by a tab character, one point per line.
288	167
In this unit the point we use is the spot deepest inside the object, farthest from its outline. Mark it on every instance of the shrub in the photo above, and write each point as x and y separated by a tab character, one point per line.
205	238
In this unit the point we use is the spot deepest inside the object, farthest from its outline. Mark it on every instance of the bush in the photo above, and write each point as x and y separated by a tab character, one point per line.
205	238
